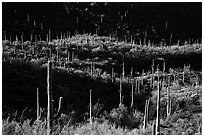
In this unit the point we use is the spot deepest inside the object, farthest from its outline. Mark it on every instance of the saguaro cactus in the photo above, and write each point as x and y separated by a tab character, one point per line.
73	56
59	111
112	75
146	114
158	109
153	128
164	67
38	106
123	69
120	91
158	72
136	85
168	99
152	86
91	68
49	93
68	56
90	107
50	116
132	96
57	53
152	66
142	80
147	109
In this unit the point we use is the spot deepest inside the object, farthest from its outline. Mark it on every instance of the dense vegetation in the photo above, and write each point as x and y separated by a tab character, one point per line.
24	71
113	71
185	118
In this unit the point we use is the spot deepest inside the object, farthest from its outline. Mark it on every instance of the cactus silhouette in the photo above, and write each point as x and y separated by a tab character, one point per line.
158	109
113	75
146	114
38	106
49	93
50	116
168	99
90	116
132	96
123	73
120	90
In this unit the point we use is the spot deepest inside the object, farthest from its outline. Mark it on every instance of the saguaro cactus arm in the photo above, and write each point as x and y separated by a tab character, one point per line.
59	111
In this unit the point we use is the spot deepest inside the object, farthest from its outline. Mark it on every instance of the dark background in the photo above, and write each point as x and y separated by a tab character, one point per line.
152	21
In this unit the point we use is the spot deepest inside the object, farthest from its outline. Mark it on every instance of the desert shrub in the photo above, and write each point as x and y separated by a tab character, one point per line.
16	128
184	122
65	119
39	128
10	128
97	128
122	118
97	108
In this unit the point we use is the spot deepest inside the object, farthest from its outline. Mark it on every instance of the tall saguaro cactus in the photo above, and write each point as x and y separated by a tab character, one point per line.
38	106
158	72
142	81
57	53
73	56
90	107
112	75
132	96
135	85
164	67
146	114
120	90
50	116
158	109
168	99
91	68
123	70
138	86
152	74
153	128
67	54
49	93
